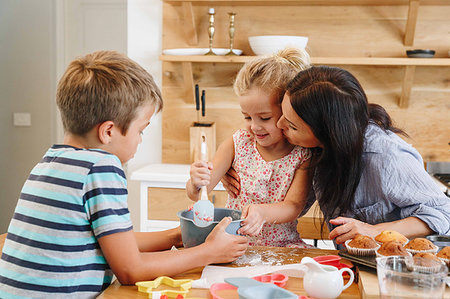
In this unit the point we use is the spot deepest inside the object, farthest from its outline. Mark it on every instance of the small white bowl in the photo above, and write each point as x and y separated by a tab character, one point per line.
199	51
270	44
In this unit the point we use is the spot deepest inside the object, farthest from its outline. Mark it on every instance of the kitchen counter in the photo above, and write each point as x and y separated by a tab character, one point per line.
281	255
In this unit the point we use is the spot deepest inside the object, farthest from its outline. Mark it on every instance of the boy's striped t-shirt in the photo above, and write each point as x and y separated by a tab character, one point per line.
71	198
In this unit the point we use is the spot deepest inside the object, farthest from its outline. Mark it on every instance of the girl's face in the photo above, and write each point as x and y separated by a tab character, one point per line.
294	128
261	112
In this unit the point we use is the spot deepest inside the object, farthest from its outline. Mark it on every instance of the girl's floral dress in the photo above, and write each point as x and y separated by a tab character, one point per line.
264	183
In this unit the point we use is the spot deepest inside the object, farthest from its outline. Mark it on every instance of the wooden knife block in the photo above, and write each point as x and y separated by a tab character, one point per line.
196	131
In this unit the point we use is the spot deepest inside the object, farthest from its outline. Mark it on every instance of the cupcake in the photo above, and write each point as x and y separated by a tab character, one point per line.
425	262
421	245
391	235
361	245
444	255
392	248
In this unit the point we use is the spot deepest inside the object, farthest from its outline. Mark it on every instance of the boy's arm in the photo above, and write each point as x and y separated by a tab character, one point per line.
122	253
222	161
279	212
156	241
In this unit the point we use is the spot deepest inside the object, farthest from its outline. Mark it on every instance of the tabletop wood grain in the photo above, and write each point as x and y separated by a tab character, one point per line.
265	255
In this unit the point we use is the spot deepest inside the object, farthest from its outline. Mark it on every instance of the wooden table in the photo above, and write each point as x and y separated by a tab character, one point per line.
269	255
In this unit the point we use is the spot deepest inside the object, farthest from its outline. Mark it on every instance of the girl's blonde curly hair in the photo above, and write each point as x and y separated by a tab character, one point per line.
271	73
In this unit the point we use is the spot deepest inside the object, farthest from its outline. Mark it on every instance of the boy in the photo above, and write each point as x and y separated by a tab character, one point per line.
71	230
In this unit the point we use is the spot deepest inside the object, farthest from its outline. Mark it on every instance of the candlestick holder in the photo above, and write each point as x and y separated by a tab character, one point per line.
231	33
211	13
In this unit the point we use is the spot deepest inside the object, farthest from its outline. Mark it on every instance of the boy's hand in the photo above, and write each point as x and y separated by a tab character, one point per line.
232	183
226	247
200	174
253	220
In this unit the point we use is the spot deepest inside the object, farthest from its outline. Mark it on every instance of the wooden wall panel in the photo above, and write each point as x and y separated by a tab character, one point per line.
333	31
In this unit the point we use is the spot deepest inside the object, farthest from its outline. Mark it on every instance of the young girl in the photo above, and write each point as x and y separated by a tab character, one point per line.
274	181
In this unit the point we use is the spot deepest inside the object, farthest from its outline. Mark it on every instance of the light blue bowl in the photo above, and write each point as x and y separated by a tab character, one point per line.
193	235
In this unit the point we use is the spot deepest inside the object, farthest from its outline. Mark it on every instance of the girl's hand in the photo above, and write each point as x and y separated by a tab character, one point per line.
200	173
349	227
231	183
253	220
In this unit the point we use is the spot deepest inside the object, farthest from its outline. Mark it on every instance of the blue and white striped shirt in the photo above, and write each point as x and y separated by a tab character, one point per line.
71	198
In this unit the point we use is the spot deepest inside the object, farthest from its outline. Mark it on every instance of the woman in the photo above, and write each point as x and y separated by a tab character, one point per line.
366	178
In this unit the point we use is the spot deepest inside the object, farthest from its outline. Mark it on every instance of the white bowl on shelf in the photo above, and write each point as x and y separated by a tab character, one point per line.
270	44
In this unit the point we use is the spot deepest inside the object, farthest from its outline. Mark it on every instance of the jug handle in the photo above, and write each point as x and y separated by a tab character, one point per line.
352	276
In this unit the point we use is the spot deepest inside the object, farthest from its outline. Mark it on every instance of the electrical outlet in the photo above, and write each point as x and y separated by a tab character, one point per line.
22	119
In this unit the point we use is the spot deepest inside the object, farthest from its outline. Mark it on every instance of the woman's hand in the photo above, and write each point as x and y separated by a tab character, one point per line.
200	173
349	227
231	183
253	220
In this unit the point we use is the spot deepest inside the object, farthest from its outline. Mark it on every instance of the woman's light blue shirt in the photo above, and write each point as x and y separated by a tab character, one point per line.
394	185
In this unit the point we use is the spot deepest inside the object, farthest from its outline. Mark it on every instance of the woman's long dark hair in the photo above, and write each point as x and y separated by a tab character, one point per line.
332	102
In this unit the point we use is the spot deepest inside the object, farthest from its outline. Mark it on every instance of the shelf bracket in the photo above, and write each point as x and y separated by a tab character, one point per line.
411	22
408	81
189	23
188	79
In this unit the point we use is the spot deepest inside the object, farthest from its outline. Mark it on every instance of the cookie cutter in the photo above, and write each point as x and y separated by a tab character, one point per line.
249	288
184	286
277	279
332	260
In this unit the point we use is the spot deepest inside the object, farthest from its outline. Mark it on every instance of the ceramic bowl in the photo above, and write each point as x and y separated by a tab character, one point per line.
270	44
193	235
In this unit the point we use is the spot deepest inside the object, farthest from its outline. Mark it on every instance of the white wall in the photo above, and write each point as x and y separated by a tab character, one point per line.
27	71
37	40
144	46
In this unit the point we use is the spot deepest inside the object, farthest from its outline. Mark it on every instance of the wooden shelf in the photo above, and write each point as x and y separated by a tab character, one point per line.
408	78
392	61
309	2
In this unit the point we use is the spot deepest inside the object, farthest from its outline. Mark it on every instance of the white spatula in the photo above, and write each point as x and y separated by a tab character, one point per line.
203	209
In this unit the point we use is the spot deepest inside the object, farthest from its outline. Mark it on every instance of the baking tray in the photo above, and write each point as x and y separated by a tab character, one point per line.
440	240
368	261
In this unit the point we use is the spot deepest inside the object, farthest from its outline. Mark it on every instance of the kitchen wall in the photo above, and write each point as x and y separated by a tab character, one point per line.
144	46
37	40
27	72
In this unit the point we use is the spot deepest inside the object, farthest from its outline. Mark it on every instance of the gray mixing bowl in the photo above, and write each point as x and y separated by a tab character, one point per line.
192	235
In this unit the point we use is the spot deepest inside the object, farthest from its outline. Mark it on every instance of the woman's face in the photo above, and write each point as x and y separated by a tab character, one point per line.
295	130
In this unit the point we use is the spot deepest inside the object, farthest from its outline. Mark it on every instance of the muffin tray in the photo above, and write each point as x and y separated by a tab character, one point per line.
440	240
368	261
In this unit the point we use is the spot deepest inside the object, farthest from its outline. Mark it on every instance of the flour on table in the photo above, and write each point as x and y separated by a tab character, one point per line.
255	259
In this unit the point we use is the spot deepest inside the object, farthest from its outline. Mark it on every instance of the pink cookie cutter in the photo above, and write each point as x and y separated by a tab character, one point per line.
277	279
331	260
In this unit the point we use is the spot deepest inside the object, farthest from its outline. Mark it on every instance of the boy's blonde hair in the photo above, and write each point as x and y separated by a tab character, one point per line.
102	86
272	73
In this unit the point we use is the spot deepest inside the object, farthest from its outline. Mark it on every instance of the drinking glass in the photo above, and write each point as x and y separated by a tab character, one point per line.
398	277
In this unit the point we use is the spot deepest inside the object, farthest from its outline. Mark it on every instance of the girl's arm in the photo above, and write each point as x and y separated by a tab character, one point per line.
281	212
204	174
130	265
410	227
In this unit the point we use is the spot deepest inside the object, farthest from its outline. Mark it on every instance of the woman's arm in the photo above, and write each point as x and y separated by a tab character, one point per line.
232	183
204	175
130	265
281	212
410	227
